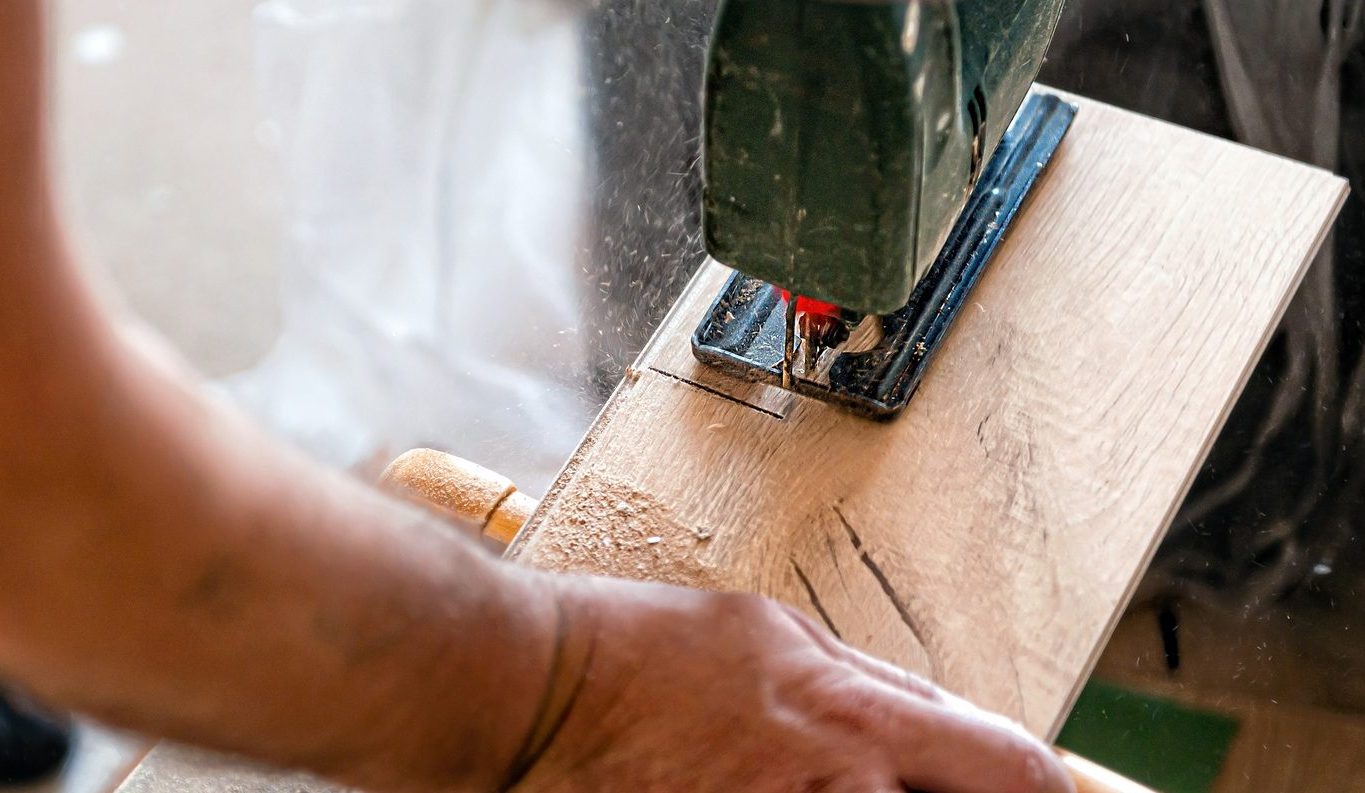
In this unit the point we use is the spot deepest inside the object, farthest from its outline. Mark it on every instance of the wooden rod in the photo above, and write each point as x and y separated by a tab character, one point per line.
1092	778
470	493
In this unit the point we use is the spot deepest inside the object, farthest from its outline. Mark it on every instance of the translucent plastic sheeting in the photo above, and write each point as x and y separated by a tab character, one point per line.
434	155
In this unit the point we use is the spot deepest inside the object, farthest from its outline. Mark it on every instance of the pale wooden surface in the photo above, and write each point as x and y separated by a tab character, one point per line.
1304	750
1301	716
991	536
1293	658
176	769
1280	745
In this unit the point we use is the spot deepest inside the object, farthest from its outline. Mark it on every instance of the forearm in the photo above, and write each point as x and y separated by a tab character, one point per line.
22	135
169	569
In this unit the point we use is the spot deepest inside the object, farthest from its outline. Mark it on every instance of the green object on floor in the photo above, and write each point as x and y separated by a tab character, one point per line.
1166	746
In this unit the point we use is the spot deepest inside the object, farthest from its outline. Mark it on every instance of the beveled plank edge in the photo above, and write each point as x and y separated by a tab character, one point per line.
697	287
1214	430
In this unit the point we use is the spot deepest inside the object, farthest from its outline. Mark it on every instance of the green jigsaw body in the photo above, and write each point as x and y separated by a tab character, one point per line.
843	137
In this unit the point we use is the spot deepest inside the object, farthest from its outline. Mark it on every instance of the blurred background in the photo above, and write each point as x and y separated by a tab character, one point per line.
173	178
172	175
173	170
388	223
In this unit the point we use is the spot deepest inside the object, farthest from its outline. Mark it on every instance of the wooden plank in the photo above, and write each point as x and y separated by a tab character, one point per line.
177	769
990	537
1306	750
1279	745
1298	656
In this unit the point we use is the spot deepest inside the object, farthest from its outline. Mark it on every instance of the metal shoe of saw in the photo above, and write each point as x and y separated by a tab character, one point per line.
862	161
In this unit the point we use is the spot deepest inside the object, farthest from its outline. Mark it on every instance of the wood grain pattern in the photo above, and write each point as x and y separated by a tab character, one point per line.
1300	713
991	536
1306	657
1306	750
1280	745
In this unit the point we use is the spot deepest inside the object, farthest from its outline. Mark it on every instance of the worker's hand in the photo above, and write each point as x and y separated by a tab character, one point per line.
662	690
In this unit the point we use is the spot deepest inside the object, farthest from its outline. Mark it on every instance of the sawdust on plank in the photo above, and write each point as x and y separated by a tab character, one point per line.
601	526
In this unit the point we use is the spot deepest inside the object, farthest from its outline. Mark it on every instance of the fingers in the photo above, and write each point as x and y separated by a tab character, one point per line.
882	671
939	742
948	749
898	678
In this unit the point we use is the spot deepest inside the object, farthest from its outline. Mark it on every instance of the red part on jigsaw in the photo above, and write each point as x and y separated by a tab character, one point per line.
809	305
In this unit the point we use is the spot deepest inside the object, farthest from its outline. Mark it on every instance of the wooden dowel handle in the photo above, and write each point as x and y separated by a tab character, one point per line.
469	492
1092	778
491	502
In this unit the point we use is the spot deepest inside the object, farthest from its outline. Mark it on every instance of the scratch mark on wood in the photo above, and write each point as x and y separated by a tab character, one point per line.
1019	690
883	582
719	393
834	559
815	600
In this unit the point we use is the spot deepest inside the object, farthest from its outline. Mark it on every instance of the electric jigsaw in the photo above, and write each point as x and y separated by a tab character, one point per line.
862	160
